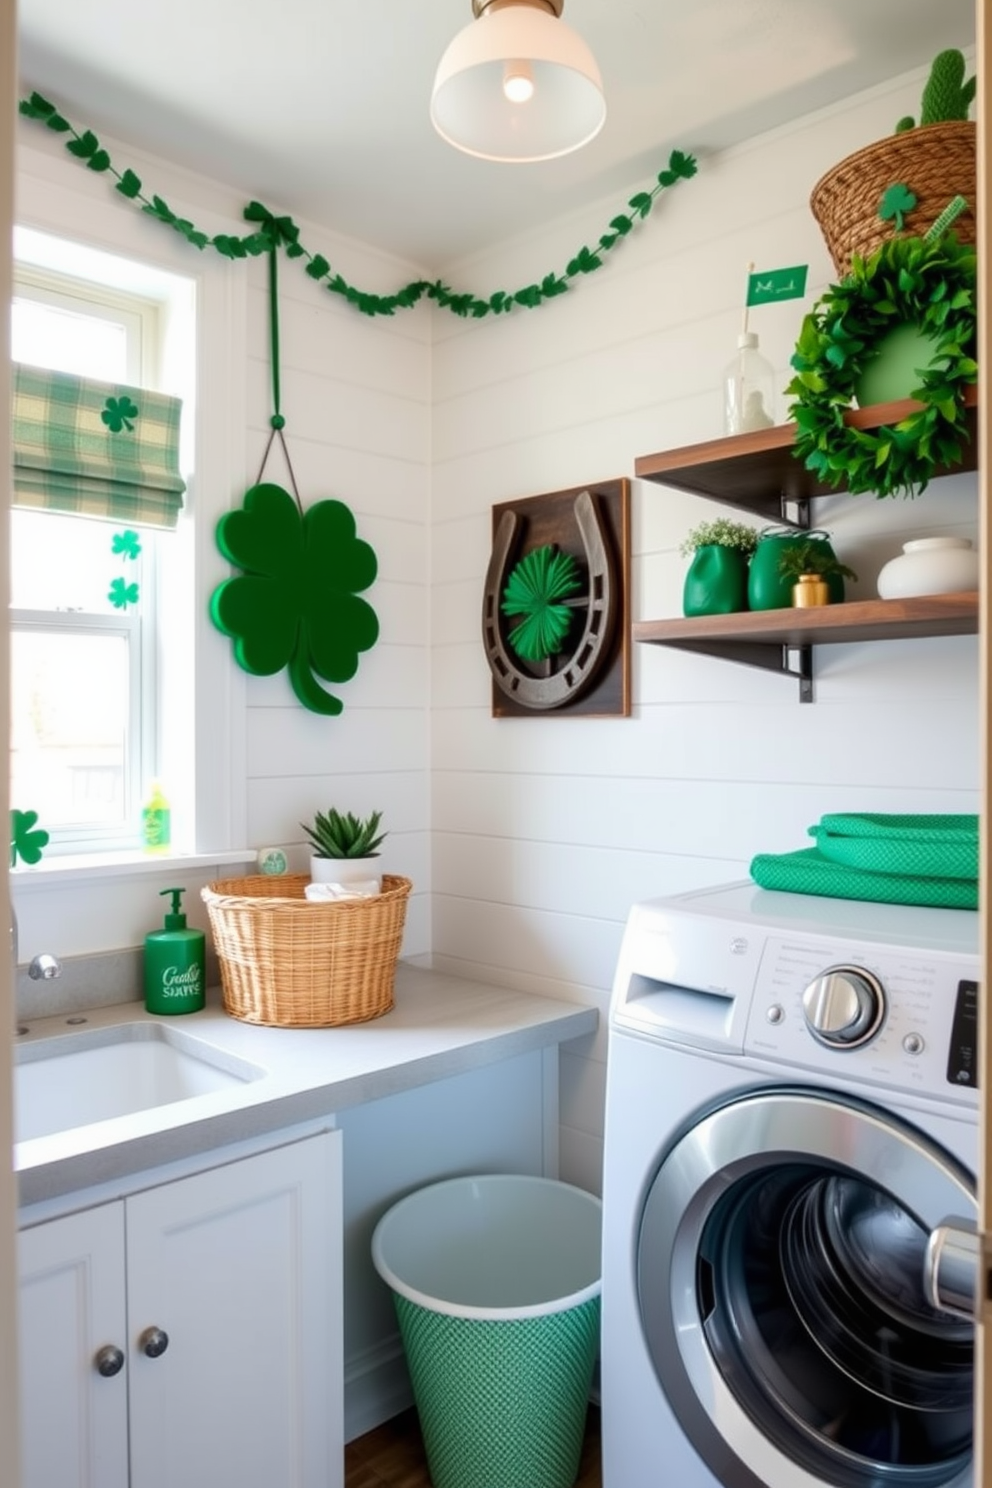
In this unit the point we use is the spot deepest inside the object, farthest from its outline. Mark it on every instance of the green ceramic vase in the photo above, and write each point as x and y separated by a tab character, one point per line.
767	589
716	583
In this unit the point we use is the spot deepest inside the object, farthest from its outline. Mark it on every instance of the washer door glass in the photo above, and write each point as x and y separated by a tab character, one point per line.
781	1261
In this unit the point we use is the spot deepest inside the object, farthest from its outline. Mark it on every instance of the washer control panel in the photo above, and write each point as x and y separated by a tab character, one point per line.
903	1019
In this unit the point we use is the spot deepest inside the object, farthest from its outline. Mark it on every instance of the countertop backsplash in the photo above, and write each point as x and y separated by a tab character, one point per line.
100	980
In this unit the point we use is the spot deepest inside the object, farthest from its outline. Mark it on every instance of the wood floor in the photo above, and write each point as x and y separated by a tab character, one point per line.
392	1456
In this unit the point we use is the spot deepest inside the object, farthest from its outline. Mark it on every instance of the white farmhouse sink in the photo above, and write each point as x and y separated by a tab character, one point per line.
93	1075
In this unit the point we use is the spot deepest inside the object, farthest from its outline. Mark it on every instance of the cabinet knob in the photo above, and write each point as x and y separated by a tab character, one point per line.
153	1342
109	1360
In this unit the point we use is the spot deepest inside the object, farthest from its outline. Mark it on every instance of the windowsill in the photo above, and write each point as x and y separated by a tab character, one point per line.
87	866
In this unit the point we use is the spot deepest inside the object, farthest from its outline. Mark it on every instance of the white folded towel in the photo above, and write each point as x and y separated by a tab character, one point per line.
356	888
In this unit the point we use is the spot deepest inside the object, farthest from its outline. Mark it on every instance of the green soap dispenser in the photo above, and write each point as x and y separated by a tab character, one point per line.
175	964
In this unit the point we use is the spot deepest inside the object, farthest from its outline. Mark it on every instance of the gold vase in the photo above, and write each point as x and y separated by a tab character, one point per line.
810	590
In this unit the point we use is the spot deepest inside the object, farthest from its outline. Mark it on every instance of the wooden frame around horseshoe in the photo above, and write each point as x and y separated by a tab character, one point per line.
595	650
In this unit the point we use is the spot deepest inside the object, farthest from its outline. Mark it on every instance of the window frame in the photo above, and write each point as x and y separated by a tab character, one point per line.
137	313
89	837
140	314
203	691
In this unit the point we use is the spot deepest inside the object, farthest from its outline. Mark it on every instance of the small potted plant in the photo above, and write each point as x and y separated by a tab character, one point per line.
344	847
810	564
716	583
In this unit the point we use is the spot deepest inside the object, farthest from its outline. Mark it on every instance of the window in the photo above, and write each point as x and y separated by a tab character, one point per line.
88	628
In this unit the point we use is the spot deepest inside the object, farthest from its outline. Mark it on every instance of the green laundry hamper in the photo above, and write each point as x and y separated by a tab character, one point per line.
496	1282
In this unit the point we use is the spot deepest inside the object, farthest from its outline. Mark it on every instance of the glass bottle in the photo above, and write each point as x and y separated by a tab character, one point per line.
749	389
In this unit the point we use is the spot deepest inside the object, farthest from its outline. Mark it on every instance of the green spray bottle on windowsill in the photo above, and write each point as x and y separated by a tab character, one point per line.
175	964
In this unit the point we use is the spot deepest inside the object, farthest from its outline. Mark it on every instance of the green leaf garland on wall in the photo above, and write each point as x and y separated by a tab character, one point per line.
273	231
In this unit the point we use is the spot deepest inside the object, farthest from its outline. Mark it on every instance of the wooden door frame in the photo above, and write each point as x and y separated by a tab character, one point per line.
9	1414
983	1384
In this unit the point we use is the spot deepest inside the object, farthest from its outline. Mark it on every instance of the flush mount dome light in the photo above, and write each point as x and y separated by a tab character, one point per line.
517	84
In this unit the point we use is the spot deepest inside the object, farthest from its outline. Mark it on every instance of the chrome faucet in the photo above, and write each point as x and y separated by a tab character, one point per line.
44	967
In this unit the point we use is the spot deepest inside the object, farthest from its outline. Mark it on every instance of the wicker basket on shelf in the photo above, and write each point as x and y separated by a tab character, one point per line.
290	962
936	161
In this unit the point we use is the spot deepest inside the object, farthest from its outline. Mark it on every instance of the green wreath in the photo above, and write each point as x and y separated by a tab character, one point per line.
929	285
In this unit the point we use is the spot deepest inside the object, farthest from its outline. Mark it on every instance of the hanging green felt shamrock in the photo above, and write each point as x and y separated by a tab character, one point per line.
297	603
27	840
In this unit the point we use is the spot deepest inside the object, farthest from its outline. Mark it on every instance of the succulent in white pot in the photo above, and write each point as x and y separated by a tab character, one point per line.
344	847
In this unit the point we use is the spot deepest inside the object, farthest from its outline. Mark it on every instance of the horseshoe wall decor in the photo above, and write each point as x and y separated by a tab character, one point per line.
591	675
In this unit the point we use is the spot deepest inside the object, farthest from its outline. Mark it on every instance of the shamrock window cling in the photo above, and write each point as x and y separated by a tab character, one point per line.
296	604
127	545
27	840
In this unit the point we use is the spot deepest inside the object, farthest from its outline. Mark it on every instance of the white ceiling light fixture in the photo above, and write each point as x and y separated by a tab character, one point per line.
517	84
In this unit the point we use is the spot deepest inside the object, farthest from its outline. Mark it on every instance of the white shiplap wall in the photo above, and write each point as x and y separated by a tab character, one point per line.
355	393
545	829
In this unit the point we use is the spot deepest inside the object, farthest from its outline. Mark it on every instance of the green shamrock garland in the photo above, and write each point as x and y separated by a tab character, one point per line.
275	232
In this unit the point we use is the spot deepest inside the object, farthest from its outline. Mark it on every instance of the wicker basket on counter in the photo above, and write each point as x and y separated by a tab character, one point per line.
936	161
291	962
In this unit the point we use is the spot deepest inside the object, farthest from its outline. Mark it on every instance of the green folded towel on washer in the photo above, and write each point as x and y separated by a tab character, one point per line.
892	859
921	846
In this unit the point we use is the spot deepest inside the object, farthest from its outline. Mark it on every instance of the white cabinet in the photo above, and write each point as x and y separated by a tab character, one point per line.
222	1292
73	1420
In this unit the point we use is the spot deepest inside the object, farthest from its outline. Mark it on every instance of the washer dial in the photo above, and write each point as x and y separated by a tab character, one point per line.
844	1006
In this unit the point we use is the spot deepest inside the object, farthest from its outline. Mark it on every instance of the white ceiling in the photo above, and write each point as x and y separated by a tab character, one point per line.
319	107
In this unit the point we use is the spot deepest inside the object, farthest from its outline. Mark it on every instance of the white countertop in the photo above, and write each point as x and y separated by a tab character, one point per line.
440	1026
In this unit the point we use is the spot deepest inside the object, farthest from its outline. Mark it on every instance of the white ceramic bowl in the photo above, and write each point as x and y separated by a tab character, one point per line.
930	565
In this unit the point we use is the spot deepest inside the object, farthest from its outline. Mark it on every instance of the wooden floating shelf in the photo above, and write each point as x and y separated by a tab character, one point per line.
782	640
858	620
759	473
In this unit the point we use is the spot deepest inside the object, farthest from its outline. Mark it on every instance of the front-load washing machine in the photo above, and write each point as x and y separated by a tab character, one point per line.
788	1198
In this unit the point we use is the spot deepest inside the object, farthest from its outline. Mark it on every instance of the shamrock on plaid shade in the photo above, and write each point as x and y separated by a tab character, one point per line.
118	414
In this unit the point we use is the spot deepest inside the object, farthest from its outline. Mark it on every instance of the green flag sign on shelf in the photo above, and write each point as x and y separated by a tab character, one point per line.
777	284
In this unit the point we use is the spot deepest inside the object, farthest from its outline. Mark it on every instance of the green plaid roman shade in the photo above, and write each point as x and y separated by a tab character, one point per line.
95	448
